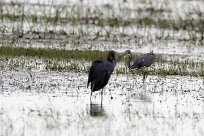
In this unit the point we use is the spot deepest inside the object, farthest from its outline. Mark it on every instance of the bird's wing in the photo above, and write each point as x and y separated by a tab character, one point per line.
138	62
149	59
99	68
144	60
93	70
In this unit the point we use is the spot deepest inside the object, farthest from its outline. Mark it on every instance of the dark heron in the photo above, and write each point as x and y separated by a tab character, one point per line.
142	61
100	73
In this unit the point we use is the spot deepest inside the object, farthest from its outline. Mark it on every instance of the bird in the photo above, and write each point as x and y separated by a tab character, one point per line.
100	73
144	60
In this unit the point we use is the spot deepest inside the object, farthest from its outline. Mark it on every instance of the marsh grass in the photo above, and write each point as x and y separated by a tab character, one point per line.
109	21
53	16
53	53
87	55
99	20
80	61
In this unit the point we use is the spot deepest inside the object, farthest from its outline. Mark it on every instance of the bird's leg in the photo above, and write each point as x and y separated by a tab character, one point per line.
143	75
91	92
101	96
90	97
101	107
143	78
101	110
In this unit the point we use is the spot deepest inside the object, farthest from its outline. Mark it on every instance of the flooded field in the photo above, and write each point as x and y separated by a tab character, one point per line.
54	103
47	48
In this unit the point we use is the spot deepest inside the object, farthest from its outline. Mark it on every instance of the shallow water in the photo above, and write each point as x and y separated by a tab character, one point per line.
54	103
36	101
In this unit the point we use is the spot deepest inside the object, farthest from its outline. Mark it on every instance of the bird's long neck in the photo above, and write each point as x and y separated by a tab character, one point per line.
128	62
111	60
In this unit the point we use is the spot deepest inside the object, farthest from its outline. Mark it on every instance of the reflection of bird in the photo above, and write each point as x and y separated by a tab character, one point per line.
100	73
96	110
144	60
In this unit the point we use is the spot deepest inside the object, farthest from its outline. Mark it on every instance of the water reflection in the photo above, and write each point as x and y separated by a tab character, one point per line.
96	110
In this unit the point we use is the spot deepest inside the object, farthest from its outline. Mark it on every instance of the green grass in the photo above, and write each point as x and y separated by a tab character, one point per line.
76	61
87	55
52	53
